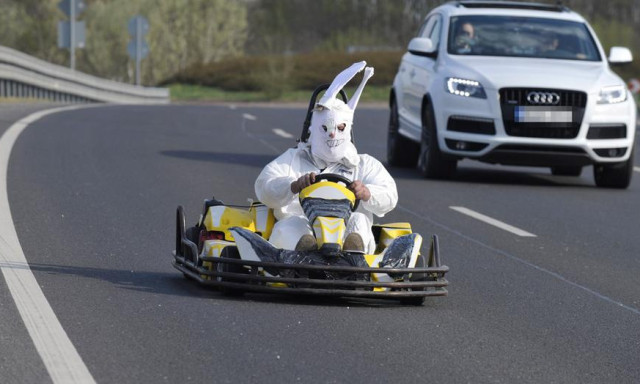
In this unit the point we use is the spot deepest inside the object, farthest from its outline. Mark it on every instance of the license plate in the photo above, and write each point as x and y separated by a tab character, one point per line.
530	114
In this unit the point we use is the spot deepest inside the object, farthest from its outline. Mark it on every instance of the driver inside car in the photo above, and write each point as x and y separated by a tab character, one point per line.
465	38
328	150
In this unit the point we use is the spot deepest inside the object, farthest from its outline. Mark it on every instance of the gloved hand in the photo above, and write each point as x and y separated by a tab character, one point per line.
360	190
303	182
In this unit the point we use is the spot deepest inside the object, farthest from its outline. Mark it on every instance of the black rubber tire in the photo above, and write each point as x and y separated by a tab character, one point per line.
180	224
193	234
232	253
433	164
614	175
566	170
401	151
417	301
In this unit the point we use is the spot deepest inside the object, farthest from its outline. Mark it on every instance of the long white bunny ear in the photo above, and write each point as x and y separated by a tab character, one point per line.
368	72
340	81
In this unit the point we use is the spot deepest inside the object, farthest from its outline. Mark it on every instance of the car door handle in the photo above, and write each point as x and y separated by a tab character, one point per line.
412	73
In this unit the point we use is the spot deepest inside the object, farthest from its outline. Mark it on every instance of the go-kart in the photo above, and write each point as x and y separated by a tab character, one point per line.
228	248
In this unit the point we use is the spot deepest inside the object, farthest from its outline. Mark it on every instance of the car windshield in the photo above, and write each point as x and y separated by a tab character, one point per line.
521	37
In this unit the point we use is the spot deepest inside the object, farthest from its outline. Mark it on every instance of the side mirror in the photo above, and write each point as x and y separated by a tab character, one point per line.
620	55
422	46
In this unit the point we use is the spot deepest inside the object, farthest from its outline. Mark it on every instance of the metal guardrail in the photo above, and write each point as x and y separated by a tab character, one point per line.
24	76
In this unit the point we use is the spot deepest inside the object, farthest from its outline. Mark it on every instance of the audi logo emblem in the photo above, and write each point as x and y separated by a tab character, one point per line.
543	98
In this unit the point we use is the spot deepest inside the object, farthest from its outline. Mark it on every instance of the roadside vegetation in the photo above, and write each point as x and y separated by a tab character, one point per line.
192	93
259	50
281	78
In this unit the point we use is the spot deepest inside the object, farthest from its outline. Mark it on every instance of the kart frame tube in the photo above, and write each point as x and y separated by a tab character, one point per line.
251	281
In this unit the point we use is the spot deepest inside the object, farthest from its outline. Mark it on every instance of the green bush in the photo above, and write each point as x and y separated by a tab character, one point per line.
276	74
232	75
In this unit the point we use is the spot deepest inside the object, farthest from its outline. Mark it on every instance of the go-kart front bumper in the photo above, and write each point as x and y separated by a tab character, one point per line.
237	276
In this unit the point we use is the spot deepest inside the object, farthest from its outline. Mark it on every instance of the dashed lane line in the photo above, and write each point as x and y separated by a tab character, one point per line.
243	126
60	357
496	223
282	133
510	256
637	169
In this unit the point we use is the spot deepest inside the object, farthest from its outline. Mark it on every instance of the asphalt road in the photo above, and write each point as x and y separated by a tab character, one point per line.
93	194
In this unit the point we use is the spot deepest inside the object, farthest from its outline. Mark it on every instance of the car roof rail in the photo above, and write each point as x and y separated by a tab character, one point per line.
558	7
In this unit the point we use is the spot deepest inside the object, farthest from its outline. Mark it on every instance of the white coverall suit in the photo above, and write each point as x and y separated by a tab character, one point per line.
329	150
273	189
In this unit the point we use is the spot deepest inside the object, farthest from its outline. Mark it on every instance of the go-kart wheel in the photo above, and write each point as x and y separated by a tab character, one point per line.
180	233
420	263
230	252
335	178
193	234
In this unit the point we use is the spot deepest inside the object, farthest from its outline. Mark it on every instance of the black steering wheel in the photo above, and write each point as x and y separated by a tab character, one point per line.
335	178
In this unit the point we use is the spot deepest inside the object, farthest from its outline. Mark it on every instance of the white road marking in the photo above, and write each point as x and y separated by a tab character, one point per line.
637	169
243	127
282	133
518	259
60	357
492	221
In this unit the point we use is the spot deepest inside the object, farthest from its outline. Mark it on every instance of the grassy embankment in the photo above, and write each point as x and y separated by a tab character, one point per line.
200	93
280	78
288	79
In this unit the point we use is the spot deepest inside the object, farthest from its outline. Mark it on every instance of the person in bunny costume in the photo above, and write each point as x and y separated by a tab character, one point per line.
329	150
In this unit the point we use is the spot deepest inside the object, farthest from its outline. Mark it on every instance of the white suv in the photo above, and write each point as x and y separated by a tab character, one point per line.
511	83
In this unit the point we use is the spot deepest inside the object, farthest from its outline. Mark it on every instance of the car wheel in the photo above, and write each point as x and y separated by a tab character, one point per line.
433	164
566	170
614	175
401	152
230	252
420	263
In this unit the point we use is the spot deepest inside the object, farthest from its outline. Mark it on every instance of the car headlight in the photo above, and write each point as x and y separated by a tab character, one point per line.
465	88
613	94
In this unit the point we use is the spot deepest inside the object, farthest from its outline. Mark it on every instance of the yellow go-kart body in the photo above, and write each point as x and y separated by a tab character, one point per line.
229	248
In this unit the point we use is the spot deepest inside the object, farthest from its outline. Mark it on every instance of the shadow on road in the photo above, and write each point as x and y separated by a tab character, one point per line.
175	284
344	302
253	160
142	281
473	175
498	177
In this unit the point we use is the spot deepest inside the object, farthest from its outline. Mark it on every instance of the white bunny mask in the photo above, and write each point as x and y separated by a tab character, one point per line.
332	119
